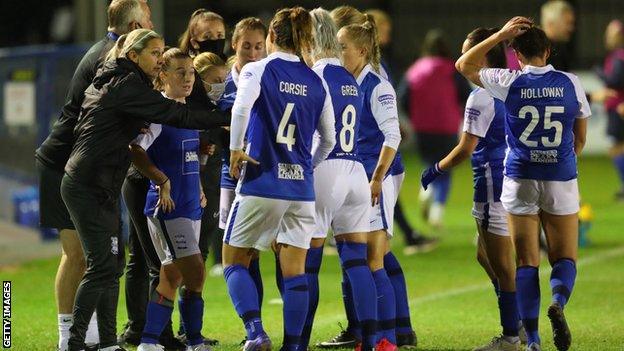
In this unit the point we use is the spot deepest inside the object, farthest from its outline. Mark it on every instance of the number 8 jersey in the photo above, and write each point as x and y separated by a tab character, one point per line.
542	105
284	102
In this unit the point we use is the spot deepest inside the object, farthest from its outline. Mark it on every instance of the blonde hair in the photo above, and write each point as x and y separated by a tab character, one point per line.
380	16
123	12
325	41
168	56
230	61
346	15
553	9
134	41
248	24
205	61
365	36
199	15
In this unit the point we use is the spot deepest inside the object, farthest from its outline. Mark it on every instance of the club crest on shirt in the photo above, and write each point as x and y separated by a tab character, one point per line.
290	171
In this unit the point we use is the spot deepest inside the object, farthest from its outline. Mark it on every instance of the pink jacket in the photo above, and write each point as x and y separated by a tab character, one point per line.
433	96
612	102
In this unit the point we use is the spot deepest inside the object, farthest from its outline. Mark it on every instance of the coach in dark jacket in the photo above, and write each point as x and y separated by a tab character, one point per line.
118	104
51	157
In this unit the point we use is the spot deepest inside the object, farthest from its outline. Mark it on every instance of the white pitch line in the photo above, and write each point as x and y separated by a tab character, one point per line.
586	261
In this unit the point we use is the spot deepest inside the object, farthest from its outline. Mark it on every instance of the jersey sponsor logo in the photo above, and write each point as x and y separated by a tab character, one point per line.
539	93
191	158
290	171
246	75
293	88
472	113
544	156
386	99
349	90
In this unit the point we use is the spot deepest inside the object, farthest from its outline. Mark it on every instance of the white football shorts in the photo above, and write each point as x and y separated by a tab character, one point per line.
343	198
174	238
255	222
529	196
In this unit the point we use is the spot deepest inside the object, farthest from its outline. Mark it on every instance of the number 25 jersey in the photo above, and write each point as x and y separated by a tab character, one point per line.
542	105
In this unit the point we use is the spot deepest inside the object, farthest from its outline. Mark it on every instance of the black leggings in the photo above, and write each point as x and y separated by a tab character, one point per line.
143	269
96	216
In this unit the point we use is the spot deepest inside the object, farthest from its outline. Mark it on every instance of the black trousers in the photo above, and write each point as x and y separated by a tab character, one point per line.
95	213
143	268
210	236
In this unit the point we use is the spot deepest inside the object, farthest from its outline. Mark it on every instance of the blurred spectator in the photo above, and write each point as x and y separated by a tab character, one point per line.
434	94
612	74
558	22
414	241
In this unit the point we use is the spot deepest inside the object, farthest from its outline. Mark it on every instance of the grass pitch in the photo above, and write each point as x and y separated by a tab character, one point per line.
452	302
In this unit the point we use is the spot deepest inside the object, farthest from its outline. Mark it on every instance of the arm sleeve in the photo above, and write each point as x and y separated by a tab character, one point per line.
147	139
246	96
497	81
584	108
137	100
326	130
479	113
384	108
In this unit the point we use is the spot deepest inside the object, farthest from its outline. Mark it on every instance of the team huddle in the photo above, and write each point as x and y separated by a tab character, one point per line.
313	132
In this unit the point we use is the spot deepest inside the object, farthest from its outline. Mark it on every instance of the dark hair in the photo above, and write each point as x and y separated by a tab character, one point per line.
199	15
496	57
293	29
532	43
435	44
365	36
168	56
248	24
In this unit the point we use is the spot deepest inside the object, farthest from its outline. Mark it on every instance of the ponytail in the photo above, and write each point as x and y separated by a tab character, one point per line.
365	36
134	41
293	30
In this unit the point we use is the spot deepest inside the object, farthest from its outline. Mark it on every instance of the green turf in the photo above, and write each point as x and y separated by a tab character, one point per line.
452	304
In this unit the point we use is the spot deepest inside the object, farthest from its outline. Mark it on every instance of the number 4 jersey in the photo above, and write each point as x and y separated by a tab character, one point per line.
542	106
284	102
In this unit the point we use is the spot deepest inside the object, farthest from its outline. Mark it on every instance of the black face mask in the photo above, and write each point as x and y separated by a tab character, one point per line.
215	46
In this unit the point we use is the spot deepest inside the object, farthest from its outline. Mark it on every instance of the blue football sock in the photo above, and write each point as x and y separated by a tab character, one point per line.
157	315
441	188
508	308
353	324
386	306
528	299
363	291
562	280
245	299
618	161
314	258
279	278
295	310
395	273
191	307
254	271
